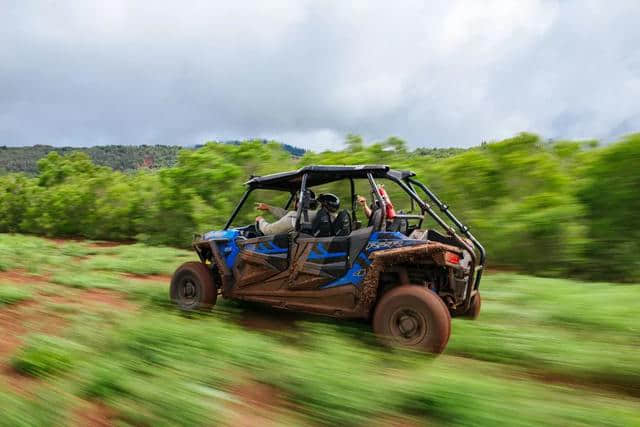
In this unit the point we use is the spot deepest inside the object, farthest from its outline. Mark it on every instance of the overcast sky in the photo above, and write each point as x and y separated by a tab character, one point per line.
436	74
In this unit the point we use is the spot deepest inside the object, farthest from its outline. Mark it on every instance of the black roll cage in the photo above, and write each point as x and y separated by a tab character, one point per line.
406	181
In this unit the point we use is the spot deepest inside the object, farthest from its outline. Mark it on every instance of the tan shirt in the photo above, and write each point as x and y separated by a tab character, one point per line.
277	212
285	224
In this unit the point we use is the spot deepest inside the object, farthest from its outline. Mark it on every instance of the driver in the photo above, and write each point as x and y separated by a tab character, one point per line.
286	220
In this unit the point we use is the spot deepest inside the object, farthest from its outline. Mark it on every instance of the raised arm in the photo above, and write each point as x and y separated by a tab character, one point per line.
363	202
274	210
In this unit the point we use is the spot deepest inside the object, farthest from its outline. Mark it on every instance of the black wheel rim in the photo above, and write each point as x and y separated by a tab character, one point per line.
189	292
408	326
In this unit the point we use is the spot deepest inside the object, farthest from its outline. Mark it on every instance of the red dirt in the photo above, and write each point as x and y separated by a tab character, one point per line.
109	244
63	240
258	394
553	378
93	414
259	405
15	322
20	384
101	296
265	319
11	327
90	297
20	276
96	244
164	278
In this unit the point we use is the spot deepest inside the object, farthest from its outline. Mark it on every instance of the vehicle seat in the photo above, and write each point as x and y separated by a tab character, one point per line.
399	224
342	224
376	218
321	225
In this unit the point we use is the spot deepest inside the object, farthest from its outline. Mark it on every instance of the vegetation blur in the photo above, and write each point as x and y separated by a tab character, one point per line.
550	208
89	338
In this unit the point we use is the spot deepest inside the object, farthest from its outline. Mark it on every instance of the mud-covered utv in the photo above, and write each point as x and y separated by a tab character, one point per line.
406	278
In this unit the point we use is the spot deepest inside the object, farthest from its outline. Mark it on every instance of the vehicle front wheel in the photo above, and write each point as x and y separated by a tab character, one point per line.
193	288
413	316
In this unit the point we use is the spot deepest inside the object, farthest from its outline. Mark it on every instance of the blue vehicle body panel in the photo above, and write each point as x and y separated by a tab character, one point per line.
226	241
379	240
321	252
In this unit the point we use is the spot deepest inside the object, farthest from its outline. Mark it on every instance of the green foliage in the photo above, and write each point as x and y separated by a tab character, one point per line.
13	294
46	355
543	352
140	259
586	330
15	190
117	157
549	208
491	398
611	197
86	279
48	407
438	152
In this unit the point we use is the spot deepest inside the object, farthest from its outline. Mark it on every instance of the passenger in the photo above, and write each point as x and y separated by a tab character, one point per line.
368	209
286	220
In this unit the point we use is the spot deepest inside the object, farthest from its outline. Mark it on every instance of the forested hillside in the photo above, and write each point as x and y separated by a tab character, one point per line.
549	208
117	157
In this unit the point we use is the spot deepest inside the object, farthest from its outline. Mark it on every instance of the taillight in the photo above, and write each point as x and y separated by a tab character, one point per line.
451	258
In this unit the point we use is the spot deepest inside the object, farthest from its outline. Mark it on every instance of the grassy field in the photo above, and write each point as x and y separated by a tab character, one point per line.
87	337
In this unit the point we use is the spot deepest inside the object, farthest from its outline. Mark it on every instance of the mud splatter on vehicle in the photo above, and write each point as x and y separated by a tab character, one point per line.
407	279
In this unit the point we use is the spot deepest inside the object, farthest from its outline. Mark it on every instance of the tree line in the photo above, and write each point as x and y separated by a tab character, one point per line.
545	207
118	157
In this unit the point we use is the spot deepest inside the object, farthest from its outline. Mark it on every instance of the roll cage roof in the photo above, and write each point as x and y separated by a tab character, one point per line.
310	176
318	175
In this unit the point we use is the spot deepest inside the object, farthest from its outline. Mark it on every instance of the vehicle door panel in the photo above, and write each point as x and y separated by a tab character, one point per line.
317	261
262	260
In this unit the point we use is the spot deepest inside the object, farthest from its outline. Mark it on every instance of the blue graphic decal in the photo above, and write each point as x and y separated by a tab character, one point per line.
323	253
268	248
354	276
379	240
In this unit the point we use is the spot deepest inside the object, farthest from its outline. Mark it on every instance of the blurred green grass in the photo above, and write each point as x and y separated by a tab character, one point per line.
13	294
543	352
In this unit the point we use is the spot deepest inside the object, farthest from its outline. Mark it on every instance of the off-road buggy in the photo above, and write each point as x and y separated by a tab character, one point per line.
408	280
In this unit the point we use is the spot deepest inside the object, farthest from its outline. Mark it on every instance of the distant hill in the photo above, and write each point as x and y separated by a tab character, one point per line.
438	152
295	151
131	157
118	157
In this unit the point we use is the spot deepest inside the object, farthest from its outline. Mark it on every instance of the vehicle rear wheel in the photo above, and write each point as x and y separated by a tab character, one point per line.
192	287
413	316
474	307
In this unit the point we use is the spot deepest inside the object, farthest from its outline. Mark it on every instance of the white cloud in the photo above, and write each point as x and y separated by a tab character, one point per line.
435	73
